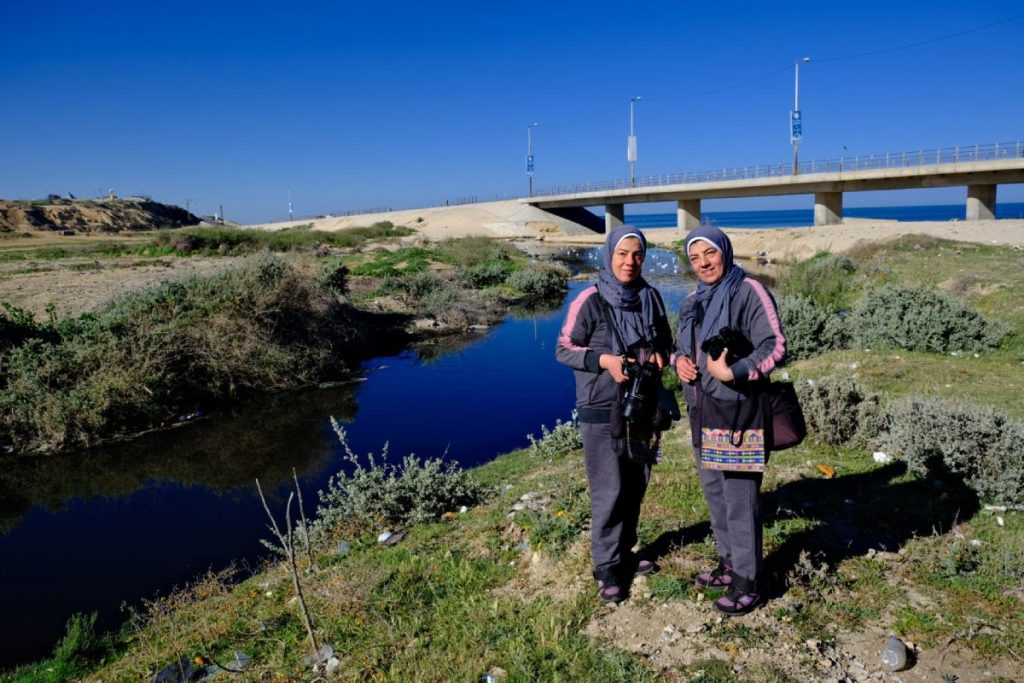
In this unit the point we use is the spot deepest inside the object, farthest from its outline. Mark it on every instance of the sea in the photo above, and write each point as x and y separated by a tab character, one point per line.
805	217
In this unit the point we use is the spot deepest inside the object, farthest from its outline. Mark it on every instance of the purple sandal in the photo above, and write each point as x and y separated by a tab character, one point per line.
610	592
742	597
719	577
644	567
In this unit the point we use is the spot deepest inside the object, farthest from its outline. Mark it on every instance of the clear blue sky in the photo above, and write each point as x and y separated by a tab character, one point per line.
353	106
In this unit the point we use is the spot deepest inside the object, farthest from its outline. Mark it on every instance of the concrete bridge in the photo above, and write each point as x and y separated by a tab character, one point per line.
979	168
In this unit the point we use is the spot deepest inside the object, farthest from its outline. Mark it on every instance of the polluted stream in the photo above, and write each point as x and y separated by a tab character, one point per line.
95	530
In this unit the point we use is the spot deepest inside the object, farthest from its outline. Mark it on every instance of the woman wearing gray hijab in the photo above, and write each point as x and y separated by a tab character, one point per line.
727	298
619	321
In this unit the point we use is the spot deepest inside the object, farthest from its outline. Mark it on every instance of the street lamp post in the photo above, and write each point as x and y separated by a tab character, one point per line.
631	144
529	157
796	130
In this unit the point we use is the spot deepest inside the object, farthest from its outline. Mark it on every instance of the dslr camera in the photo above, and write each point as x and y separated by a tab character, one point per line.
727	338
641	397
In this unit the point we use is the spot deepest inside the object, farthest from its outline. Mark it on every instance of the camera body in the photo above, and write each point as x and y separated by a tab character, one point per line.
641	397
727	338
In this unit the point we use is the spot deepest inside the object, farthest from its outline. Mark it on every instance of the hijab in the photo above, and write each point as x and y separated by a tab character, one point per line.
713	298
635	306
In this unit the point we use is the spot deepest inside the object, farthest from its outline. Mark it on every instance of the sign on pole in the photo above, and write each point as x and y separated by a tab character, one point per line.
529	164
796	126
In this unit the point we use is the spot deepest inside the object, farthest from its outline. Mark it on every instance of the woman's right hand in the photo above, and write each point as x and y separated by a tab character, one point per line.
613	364
686	369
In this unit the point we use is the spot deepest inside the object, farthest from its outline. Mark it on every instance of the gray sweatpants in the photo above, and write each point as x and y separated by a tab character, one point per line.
617	487
734	500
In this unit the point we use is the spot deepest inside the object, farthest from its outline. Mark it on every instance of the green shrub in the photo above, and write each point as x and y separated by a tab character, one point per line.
920	319
810	328
564	439
838	411
975	444
539	280
485	274
470	251
385	494
827	279
333	274
156	353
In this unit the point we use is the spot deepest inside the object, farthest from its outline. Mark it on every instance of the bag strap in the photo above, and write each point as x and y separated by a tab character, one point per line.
606	307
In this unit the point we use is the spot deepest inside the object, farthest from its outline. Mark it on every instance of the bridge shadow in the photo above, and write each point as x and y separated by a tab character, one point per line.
851	516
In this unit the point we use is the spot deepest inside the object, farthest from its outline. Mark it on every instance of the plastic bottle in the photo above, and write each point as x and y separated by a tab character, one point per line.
894	654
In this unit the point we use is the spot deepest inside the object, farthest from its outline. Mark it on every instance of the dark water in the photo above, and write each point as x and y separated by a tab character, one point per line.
801	217
84	532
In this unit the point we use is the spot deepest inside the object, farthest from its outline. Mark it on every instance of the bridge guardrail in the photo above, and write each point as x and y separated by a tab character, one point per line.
920	157
856	162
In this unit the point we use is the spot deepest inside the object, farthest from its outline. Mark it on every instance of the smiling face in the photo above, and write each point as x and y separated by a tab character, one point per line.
627	260
707	262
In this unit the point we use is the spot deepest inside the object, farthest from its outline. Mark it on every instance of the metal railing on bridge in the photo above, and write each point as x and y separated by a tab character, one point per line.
920	157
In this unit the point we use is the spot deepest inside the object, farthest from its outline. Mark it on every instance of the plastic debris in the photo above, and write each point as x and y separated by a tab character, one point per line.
389	538
180	671
894	654
879	456
325	653
827	471
344	547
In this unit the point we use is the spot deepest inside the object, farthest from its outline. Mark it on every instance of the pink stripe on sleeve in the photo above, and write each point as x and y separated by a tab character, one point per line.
564	339
779	350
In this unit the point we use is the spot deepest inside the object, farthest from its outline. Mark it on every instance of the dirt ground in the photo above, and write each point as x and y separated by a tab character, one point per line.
77	285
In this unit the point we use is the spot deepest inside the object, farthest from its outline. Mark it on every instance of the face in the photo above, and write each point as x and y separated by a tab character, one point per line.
627	260
707	262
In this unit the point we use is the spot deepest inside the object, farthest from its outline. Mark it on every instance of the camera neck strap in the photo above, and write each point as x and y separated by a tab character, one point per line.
617	346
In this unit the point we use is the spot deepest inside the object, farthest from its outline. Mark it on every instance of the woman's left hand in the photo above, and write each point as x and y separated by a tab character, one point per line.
719	369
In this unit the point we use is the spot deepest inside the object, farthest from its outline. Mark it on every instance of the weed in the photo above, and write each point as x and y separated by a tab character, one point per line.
381	493
560	441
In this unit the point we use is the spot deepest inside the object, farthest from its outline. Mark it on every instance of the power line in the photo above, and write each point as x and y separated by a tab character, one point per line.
920	42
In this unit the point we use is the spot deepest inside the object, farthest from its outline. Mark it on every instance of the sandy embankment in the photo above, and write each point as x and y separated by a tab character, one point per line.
513	220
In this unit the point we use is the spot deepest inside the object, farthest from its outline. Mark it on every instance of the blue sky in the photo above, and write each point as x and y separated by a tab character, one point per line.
353	106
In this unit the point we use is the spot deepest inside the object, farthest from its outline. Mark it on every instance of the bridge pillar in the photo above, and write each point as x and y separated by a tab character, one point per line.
688	213
828	208
981	202
614	216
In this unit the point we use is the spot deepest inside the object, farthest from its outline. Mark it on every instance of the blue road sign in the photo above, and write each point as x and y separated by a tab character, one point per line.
796	129
529	164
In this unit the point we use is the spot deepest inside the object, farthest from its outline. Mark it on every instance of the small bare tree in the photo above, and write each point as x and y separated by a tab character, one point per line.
288	546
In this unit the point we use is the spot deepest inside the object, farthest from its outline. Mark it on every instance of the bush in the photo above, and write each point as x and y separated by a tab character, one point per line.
333	274
827	279
975	444
810	328
470	251
385	494
485	274
539	280
158	352
838	411
919	319
558	442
